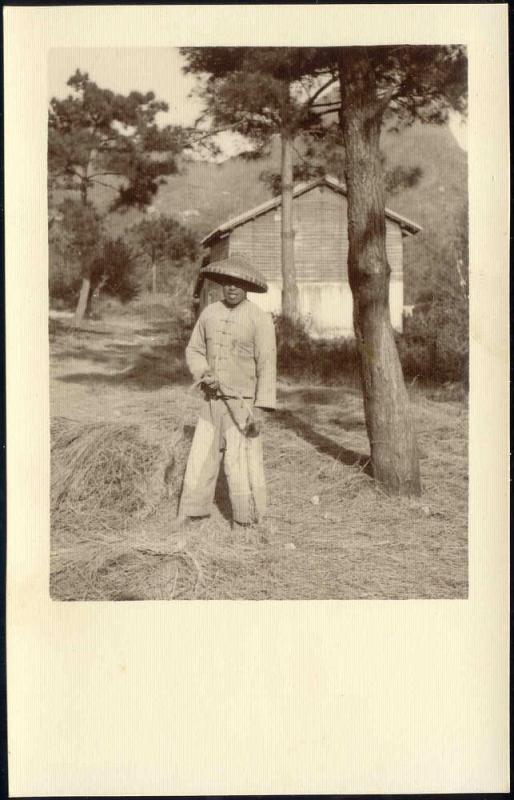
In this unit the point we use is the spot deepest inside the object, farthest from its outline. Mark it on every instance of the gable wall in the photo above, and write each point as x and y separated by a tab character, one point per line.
321	240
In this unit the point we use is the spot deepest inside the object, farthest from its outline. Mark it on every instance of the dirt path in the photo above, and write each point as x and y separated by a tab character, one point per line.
331	533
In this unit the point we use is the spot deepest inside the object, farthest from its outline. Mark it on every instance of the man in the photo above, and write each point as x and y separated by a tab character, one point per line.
232	354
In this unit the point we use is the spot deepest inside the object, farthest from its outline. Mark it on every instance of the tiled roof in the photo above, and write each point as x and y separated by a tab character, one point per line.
406	224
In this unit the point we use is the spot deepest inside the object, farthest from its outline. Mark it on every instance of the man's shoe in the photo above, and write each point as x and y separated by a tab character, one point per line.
185	523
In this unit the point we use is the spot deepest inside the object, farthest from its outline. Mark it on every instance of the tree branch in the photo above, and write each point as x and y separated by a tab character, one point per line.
301	156
100	174
322	105
325	72
213	133
320	91
107	185
71	171
329	111
66	174
101	145
386	98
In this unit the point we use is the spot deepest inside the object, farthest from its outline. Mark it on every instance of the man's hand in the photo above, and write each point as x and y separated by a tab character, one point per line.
259	419
210	382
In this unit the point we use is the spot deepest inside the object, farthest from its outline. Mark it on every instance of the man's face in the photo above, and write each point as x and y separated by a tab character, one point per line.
233	291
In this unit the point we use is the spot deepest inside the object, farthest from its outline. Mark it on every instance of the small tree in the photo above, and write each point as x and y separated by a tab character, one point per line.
113	271
78	242
160	241
97	137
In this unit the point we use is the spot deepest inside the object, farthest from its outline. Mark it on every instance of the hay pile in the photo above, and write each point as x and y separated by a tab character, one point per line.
109	564
105	479
106	466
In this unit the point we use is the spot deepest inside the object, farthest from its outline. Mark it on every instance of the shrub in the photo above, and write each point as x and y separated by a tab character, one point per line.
164	242
434	347
113	271
64	268
64	277
435	342
302	357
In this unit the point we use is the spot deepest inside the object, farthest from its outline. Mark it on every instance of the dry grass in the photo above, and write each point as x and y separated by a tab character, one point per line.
330	533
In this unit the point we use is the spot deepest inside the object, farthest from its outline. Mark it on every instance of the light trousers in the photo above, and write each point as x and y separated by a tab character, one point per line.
220	431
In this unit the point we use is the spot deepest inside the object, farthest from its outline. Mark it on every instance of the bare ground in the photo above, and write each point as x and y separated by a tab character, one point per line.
330	532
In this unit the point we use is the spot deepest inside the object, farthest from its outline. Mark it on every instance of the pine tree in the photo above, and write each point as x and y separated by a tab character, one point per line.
398	84
82	228
261	93
97	137
162	240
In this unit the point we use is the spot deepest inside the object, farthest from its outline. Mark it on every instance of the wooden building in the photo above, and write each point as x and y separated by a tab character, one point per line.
321	254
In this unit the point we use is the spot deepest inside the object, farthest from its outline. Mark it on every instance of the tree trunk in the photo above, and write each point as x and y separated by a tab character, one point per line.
154	278
85	289
289	287
83	192
389	424
83	300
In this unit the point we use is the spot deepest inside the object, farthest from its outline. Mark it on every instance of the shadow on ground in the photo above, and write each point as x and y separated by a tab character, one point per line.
348	423
153	370
58	328
321	395
322	443
111	354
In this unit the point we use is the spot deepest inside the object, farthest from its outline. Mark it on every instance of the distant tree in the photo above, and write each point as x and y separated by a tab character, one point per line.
162	240
400	177
261	93
111	267
76	238
65	273
113	271
95	135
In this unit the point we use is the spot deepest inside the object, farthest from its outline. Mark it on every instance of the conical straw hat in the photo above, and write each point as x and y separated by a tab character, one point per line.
236	267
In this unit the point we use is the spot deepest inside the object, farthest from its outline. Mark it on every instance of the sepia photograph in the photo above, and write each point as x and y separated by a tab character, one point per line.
258	323
257	349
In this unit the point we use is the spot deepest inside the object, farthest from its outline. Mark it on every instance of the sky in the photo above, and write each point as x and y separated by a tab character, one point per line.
143	69
158	69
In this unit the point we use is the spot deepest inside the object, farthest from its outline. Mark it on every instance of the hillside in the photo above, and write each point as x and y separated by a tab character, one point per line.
435	202
205	194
